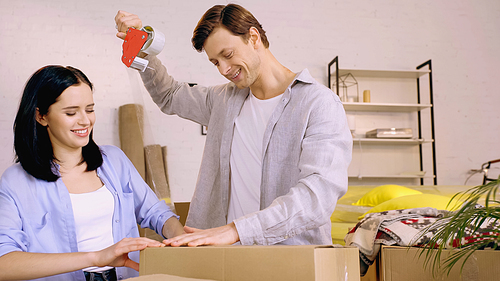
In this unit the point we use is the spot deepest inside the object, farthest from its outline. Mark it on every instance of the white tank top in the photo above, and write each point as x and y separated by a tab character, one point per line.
93	212
246	155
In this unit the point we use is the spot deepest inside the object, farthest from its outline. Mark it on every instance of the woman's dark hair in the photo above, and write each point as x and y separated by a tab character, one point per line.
31	140
234	18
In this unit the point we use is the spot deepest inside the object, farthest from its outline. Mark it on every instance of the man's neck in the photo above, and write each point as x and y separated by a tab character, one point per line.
273	78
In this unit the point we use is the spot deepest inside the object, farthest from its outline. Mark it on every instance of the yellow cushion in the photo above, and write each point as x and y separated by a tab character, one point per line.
383	193
416	201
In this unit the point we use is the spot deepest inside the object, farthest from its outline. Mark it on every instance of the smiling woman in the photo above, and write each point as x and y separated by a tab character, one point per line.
47	229
32	119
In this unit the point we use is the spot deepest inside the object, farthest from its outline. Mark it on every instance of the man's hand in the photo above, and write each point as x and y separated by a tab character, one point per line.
124	20
223	235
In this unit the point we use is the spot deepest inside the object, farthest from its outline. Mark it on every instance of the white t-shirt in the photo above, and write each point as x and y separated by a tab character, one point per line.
93	212
246	155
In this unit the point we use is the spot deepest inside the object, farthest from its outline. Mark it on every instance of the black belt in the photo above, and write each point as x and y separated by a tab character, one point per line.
108	275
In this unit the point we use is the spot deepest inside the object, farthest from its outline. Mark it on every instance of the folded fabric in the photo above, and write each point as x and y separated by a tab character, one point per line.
383	193
405	228
388	228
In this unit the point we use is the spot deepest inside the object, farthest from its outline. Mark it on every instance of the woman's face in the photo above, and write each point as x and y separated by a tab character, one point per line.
70	119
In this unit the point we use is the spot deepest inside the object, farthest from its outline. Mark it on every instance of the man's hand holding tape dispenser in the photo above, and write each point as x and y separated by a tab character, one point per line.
278	145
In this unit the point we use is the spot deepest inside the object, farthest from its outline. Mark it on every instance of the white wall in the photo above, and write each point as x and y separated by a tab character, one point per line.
460	36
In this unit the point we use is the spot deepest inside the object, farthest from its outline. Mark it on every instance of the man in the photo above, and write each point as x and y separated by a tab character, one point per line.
278	145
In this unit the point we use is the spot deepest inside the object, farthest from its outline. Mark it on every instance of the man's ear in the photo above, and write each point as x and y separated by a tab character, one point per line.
254	37
40	119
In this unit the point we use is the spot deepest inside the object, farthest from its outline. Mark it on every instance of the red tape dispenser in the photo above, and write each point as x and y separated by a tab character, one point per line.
145	40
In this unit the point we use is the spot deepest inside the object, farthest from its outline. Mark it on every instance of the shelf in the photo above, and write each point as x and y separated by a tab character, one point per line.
385	107
383	73
391	141
390	176
395	86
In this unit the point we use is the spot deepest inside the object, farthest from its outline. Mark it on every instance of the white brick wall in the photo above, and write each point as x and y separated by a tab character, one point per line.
460	36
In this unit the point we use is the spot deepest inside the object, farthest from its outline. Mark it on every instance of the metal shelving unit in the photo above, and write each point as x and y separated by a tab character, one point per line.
412	108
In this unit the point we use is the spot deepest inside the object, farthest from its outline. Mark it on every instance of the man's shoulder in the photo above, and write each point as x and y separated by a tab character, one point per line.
228	88
306	80
304	83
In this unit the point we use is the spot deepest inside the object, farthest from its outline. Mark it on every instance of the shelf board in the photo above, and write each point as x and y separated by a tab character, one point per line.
383	73
392	141
385	107
390	176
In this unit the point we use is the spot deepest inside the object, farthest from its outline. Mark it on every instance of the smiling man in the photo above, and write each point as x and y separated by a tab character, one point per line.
278	145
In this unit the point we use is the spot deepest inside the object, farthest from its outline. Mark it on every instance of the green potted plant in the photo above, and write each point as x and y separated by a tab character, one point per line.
453	231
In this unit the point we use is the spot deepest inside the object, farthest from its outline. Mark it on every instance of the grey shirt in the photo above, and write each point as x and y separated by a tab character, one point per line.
307	148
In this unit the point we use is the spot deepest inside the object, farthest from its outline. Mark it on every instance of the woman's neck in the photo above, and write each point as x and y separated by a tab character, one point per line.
69	160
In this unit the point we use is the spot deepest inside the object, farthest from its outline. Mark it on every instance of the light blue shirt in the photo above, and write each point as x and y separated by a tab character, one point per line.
37	216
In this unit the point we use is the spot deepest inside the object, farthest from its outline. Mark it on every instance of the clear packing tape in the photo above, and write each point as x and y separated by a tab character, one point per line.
136	136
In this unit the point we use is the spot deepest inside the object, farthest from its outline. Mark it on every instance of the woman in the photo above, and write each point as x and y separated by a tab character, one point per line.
69	204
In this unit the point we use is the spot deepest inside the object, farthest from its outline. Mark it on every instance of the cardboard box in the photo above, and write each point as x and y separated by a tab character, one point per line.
182	209
403	264
253	262
373	271
164	277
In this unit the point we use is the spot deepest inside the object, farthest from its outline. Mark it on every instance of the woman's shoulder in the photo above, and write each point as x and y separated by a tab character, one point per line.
15	170
115	160
15	174
110	149
112	153
114	156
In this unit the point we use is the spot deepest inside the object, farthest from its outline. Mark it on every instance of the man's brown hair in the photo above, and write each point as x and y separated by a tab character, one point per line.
233	17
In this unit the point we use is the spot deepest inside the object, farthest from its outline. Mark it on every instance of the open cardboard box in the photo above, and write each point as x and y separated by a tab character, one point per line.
406	264
308	262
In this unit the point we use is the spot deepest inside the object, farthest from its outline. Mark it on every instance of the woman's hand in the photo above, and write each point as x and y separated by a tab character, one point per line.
117	254
19	265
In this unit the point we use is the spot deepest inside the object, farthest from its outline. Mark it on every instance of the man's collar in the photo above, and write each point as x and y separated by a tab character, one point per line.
303	76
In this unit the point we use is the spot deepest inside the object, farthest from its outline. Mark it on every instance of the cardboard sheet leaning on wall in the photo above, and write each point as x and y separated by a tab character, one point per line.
149	160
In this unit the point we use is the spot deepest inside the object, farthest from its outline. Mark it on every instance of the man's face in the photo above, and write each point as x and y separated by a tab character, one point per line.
236	60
